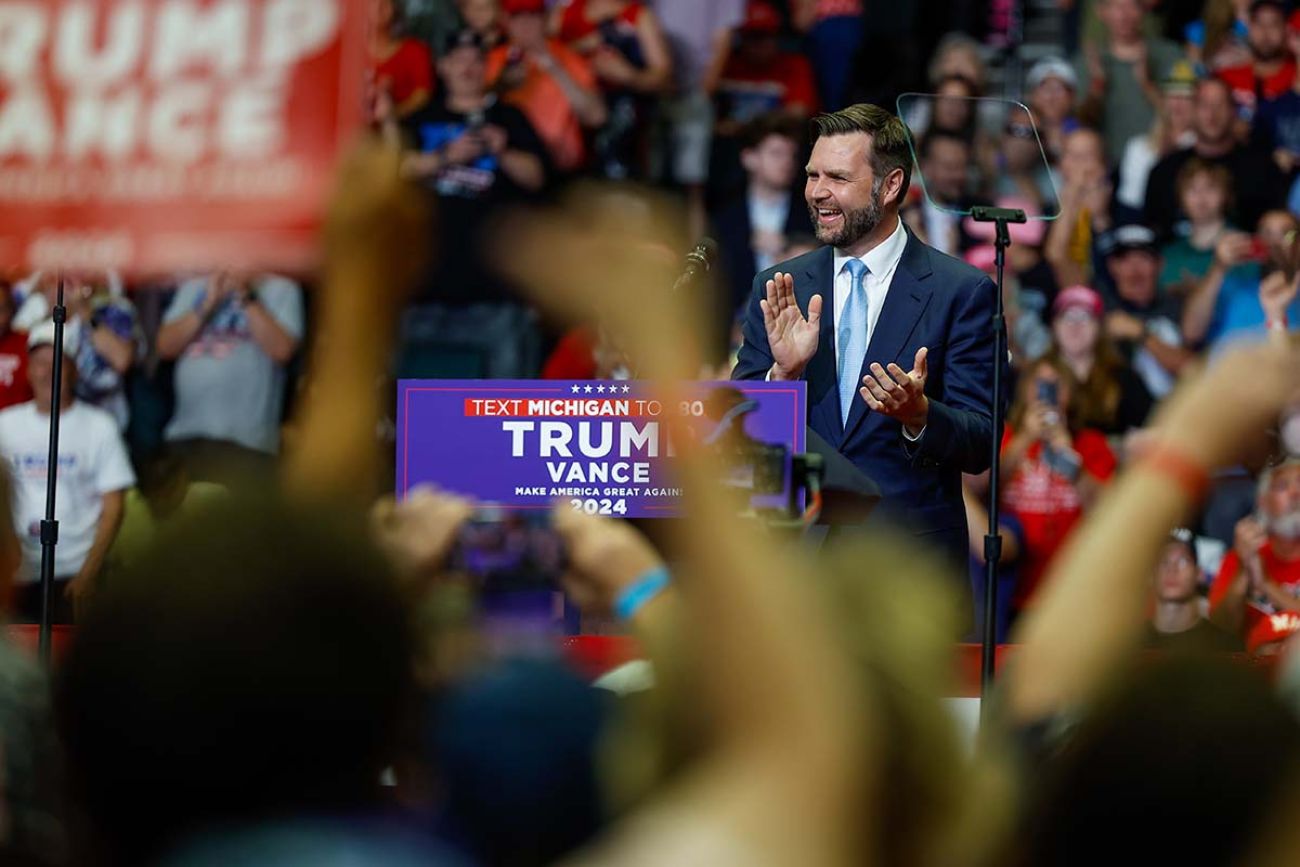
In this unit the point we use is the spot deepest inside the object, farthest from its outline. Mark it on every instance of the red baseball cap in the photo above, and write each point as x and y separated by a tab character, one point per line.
1080	296
524	7
761	17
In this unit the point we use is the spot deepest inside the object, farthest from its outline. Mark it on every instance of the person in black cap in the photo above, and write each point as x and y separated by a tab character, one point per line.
476	154
472	147
1142	319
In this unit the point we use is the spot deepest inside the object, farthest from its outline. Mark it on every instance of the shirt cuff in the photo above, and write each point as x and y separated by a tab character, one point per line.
912	439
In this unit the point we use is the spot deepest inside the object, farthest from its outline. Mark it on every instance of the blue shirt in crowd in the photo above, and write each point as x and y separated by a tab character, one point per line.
1237	312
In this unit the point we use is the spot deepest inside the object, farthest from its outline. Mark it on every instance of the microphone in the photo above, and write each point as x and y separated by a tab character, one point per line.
699	261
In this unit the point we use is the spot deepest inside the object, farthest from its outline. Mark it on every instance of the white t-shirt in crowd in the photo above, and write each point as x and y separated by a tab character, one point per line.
92	462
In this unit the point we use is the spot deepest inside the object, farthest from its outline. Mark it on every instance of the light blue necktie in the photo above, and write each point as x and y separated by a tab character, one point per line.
852	336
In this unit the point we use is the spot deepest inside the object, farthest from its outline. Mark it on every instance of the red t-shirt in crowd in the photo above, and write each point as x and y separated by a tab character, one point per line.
1048	504
575	25
1247	90
1264	624
747	91
14	387
406	72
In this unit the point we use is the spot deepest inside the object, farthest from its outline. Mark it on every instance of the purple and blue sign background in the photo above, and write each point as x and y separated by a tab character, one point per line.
441	442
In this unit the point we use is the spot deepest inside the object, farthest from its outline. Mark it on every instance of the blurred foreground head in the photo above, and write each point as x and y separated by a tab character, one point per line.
252	667
1187	762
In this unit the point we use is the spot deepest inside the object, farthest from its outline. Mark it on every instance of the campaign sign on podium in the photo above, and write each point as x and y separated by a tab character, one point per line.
600	446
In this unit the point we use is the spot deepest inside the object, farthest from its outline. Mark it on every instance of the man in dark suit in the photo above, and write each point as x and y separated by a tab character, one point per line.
755	225
890	301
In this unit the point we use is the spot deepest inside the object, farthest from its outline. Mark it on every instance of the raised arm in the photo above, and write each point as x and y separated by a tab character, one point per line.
374	224
1198	313
781	782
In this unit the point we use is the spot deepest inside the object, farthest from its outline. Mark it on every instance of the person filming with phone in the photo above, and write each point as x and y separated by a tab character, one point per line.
1052	469
1250	287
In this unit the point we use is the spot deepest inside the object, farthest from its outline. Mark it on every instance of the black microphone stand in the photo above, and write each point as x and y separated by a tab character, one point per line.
999	217
50	526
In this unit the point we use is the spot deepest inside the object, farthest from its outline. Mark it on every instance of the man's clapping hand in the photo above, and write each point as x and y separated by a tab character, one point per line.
791	337
899	394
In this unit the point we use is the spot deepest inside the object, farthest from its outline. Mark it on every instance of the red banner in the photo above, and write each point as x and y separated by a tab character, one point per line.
157	136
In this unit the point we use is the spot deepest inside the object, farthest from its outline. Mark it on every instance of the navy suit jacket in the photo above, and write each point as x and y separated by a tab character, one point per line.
934	301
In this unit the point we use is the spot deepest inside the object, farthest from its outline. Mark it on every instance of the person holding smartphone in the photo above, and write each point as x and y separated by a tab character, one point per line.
1052	469
1250	288
1257	592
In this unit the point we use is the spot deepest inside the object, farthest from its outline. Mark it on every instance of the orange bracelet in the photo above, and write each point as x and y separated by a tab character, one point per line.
1186	472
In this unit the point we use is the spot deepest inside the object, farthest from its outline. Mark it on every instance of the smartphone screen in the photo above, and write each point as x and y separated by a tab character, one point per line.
515	560
510	551
1047	392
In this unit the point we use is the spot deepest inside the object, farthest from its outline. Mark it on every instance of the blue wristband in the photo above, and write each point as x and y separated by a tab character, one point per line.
634	596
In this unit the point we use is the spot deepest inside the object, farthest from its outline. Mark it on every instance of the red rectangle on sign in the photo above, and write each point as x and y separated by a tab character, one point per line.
161	135
555	407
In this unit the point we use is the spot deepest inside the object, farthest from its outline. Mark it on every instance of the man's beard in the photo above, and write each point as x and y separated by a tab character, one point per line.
856	224
1285	526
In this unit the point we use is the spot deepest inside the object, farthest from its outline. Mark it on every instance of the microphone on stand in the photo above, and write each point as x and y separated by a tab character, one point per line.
698	262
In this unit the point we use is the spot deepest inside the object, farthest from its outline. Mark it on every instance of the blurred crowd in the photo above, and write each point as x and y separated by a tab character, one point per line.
1151	302
1153	151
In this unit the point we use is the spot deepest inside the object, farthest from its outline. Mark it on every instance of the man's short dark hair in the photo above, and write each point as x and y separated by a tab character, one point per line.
889	140
777	123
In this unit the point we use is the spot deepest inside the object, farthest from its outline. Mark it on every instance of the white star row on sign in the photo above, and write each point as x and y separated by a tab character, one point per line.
613	389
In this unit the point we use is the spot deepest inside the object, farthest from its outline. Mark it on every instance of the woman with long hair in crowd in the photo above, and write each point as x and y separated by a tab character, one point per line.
1108	395
1052	467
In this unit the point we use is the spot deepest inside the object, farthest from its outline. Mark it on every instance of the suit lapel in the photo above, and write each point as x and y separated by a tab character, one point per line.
905	301
823	390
